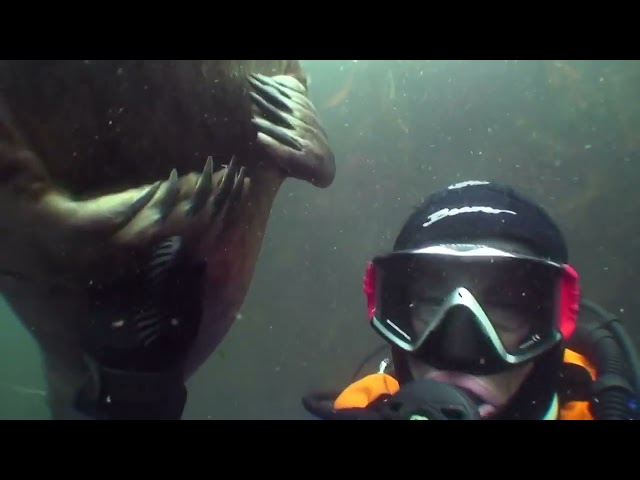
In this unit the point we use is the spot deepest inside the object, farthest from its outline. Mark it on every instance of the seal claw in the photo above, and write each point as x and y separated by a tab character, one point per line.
277	133
203	189
269	90
170	196
226	187
271	112
130	211
238	185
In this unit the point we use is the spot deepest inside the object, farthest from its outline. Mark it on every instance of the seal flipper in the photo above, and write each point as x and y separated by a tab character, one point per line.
288	129
140	331
147	319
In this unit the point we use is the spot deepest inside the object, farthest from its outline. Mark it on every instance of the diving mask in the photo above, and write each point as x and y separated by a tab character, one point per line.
471	308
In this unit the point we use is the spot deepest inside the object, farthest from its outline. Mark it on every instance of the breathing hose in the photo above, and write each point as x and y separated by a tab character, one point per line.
613	355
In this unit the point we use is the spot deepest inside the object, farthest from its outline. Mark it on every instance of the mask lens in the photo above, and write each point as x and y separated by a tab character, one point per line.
517	298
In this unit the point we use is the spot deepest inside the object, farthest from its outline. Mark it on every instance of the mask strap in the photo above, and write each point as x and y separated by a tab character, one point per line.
369	289
569	301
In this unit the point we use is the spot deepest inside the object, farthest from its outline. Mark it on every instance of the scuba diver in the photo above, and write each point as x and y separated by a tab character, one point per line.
141	327
480	308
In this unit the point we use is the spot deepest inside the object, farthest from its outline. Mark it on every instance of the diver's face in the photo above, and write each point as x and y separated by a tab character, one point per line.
497	389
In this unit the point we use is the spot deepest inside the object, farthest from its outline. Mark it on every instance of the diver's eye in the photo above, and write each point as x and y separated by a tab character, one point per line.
431	300
423	313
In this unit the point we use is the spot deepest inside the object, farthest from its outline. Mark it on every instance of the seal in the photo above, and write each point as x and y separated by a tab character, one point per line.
100	159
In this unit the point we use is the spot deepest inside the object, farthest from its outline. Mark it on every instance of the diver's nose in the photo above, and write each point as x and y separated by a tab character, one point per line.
459	335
